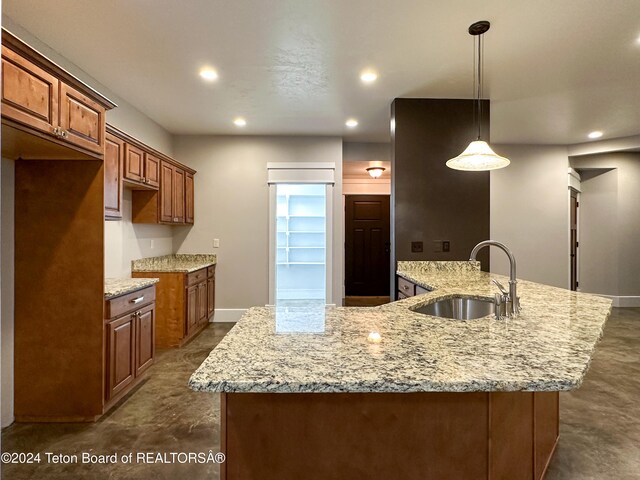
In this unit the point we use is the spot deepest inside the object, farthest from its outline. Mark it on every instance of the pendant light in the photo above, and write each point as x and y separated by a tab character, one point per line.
478	156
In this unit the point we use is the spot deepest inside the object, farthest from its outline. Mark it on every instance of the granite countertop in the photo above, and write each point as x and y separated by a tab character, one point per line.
174	263
114	287
548	347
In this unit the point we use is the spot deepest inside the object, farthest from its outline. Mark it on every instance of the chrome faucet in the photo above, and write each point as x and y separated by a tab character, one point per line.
508	302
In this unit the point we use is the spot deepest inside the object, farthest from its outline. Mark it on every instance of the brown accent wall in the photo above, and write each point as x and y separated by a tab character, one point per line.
431	202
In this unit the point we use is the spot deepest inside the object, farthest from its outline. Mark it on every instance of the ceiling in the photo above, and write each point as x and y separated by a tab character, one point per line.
555	70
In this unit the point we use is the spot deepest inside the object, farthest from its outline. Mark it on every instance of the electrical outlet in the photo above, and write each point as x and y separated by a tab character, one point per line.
216	243
446	246
416	247
437	246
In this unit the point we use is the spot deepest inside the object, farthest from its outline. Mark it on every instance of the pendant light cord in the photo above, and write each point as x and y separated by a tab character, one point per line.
479	108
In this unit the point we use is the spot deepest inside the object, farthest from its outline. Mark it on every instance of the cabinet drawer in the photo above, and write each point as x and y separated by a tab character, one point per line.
420	290
401	296
197	277
406	287
210	271
129	302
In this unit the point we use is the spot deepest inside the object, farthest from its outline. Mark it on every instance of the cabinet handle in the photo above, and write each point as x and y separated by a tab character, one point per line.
137	300
63	133
405	287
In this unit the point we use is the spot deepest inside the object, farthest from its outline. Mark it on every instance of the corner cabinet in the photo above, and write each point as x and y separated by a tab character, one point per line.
408	289
162	189
185	304
47	112
129	341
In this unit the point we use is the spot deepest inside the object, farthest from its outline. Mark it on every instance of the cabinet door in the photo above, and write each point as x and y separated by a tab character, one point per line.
113	154
29	94
133	163
211	296
188	198
202	303
145	338
192	309
178	195
120	348
166	192
82	119
151	170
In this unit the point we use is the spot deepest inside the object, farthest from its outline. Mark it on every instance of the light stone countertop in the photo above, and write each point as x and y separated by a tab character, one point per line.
181	262
547	348
114	287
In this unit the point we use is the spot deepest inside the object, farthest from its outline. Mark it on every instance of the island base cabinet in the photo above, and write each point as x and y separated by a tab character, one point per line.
421	436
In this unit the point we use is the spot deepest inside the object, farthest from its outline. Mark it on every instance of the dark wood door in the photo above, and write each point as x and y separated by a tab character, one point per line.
192	309
188	198
82	119
367	245
120	348
178	195
573	236
133	163
151	170
113	154
145	338
29	94
166	192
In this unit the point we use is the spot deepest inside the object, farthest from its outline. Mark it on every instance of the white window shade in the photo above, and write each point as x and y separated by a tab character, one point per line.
312	172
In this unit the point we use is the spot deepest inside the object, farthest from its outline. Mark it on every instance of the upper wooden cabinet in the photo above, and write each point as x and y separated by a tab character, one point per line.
163	189
113	160
46	112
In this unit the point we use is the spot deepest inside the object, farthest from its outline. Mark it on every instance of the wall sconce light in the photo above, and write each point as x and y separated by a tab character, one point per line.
375	172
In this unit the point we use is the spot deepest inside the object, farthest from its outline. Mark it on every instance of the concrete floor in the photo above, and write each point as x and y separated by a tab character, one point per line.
599	431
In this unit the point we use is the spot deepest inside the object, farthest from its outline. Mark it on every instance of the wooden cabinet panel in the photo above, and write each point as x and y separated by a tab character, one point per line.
113	157
29	94
211	296
82	119
120	348
133	163
192	309
178	195
189	199
151	170
405	287
145	338
166	192
202	303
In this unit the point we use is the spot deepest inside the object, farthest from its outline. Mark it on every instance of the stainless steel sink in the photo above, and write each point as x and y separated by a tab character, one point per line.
458	308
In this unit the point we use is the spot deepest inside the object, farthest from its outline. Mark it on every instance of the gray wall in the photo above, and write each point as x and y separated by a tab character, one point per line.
609	223
530	213
430	201
7	175
366	152
232	204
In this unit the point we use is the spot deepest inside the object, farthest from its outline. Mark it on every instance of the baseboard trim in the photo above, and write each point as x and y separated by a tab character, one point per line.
221	315
624	301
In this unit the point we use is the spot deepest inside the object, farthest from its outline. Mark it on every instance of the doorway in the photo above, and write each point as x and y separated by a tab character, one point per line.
367	249
574	204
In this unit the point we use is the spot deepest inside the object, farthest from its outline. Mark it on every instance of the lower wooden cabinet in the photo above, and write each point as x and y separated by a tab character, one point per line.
408	289
184	302
129	341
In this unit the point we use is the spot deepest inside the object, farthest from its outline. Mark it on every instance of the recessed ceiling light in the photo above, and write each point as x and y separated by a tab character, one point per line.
239	122
351	123
368	76
595	134
208	74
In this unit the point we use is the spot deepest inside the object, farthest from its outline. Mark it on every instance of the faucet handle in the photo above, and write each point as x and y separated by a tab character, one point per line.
500	286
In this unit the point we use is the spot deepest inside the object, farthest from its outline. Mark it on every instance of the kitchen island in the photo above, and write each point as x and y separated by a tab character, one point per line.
386	392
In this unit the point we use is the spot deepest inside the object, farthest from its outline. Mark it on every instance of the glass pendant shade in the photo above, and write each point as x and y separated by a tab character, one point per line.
375	172
478	156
